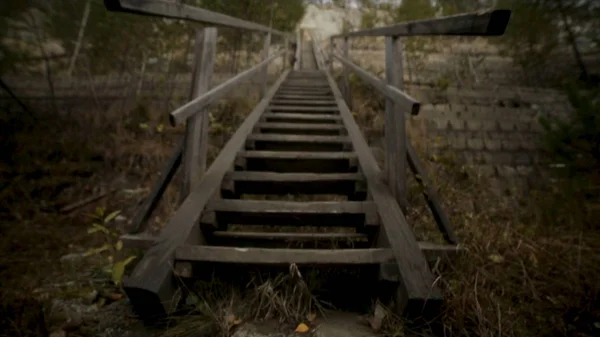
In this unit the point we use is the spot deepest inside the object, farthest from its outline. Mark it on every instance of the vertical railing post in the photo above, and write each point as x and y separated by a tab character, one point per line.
330	56
395	130
286	56
346	74
264	72
196	128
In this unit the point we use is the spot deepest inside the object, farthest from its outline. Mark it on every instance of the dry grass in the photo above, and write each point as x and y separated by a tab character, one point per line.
532	260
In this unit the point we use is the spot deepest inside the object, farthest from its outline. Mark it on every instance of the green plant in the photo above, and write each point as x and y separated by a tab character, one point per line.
113	246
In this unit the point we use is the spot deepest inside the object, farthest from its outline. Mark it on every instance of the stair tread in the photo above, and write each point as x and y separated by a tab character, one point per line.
277	101
308	126
291	236
291	115
297	155
301	108
290	207
282	256
292	177
297	138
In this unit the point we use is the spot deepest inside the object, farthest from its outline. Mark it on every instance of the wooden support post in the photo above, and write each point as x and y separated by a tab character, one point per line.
346	76
330	56
264	73
196	129
286	55
395	131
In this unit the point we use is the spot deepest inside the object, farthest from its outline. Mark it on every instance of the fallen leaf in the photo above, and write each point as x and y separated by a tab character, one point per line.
302	328
496	258
118	270
311	316
111	216
119	245
115	296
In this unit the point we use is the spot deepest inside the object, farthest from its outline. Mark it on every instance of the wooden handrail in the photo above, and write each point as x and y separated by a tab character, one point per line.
487	23
182	113
404	100
169	9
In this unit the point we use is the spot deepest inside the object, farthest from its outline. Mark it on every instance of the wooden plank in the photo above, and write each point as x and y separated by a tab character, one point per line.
431	196
299	126
297	155
418	281
182	113
282	256
151	287
298	138
300	116
196	128
403	99
244	182
300	97
486	23
293	213
142	216
432	251
170	9
395	129
304	102
291	236
302	108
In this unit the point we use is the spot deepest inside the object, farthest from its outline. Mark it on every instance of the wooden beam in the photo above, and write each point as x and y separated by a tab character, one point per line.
405	102
282	256
196	128
182	113
170	9
141	218
431	196
486	23
151	287
395	129
417	286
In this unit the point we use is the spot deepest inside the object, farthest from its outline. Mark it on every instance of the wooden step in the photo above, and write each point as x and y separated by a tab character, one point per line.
302	97
291	213
297	161
282	256
278	101
296	92
290	117
309	239
301	128
301	108
286	142
243	182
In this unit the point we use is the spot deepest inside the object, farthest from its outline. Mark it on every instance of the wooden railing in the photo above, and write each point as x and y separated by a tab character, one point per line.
191	153
399	151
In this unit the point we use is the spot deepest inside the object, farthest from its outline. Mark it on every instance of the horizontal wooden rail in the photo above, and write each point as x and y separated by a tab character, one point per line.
488	23
182	113
406	102
170	9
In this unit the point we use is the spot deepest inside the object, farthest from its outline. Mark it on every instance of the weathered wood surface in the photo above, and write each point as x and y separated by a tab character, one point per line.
431	196
196	128
417	279
401	98
282	256
141	218
395	129
182	113
171	9
488	23
151	286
